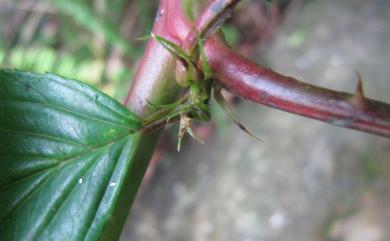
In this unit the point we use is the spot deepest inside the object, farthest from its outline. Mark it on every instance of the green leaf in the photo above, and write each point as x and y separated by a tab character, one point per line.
85	17
175	50
188	7
208	73
67	159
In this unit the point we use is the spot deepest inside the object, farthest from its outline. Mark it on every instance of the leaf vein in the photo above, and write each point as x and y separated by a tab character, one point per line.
24	198
49	218
69	111
71	158
30	133
85	85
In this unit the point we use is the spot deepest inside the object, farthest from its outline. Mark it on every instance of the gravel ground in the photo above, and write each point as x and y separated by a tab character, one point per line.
308	180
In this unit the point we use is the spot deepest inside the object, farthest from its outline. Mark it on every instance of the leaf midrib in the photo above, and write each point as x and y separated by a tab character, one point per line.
64	110
30	133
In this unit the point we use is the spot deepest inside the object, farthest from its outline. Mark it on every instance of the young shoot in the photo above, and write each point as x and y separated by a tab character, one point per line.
194	104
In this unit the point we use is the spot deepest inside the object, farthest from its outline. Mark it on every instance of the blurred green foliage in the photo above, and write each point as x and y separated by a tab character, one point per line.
89	40
372	168
100	25
231	34
297	38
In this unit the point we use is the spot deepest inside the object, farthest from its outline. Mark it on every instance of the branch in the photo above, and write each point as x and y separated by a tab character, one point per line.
264	86
212	17
154	79
155	76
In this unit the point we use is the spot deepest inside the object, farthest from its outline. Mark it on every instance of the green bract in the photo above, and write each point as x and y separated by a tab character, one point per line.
66	154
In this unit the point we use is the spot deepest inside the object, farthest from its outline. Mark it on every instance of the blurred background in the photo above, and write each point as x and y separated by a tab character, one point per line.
90	40
307	181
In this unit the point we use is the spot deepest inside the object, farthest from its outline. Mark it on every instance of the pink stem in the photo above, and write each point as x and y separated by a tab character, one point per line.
264	86
155	82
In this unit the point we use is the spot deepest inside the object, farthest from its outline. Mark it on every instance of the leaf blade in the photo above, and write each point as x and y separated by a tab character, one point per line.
66	152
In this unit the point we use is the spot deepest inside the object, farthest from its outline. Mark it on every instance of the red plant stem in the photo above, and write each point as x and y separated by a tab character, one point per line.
155	77
264	86
154	80
212	17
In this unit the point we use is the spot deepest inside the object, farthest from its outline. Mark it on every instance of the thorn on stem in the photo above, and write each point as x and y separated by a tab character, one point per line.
185	126
359	88
223	104
358	99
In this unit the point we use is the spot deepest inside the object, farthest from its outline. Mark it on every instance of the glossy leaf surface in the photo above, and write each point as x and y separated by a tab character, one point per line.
66	153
